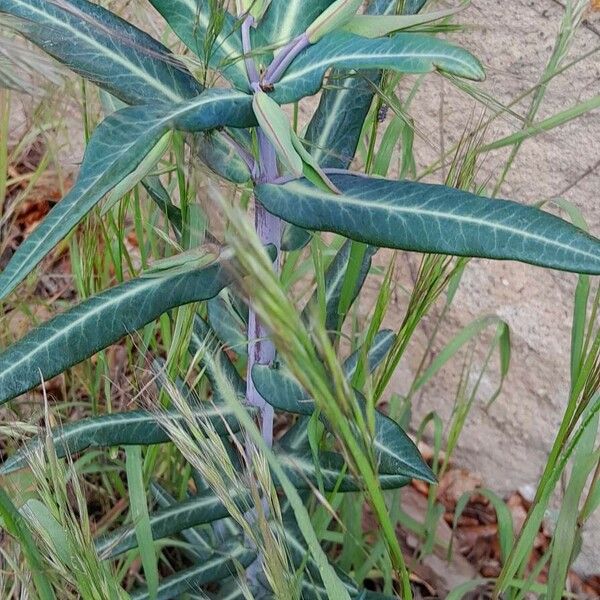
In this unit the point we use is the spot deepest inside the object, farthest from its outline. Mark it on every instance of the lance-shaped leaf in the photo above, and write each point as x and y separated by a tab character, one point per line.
166	522
334	284
209	31
396	453
217	151
335	127
334	130
229	323
115	150
103	48
285	19
219	566
199	548
134	428
374	26
98	322
276	126
301	470
406	53
334	17
203	340
436	219
382	344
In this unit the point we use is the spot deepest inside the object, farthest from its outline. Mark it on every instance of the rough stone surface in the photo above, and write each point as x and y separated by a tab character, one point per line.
508	443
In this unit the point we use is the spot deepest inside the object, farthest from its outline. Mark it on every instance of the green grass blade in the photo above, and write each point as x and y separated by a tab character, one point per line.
141	519
16	526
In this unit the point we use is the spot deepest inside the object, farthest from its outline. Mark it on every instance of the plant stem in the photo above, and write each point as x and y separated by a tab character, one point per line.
284	59
260	348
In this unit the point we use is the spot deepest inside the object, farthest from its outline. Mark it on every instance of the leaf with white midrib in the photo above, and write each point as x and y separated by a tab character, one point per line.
98	322
195	511
435	219
405	53
381	345
285	19
132	428
221	565
104	49
191	19
395	451
302	472
115	150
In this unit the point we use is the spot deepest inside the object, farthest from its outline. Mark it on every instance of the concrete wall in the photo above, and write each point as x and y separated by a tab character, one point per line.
508	444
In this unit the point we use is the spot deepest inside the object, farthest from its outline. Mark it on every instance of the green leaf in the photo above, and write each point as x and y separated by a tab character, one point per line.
133	428
159	194
504	518
199	548
221	565
302	472
285	19
217	152
406	53
336	125
115	150
334	131
166	522
228	323
382	344
98	322
17	526
203	340
334	17
103	48
277	128
210	32
373	26
396	453
412	7
436	219
334	284
294	238
138	507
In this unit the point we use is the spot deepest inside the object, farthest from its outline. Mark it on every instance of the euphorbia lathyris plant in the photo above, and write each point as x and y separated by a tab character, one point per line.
272	53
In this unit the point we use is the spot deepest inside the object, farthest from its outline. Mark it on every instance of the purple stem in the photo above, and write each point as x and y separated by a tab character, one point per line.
247	47
261	350
285	57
